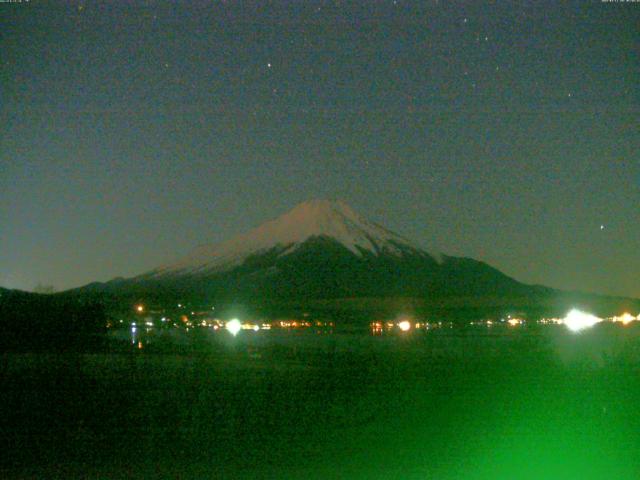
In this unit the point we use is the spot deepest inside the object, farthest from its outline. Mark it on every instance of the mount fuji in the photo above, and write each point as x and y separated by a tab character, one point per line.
308	222
320	250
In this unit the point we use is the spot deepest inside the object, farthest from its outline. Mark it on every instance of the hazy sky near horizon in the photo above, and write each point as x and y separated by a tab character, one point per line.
503	131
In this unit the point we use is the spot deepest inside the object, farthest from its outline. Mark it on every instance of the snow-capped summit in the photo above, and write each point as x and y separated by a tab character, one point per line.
315	218
320	250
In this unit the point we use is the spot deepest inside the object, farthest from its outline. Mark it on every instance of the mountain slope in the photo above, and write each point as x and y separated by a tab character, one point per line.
320	249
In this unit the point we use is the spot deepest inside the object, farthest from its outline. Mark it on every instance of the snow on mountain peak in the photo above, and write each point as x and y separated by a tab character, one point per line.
313	218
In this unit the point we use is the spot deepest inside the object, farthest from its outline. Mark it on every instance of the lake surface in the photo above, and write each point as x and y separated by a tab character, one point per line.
447	404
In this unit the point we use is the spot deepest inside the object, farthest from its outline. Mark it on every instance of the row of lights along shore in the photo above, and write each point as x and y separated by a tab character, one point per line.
575	320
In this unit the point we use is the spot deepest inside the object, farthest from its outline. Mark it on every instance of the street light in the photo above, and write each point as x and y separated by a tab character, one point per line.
233	326
405	325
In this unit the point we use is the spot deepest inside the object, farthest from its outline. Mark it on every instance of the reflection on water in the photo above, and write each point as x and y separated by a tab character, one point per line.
293	339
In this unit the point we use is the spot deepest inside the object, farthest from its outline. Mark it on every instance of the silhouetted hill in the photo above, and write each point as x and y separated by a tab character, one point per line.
31	320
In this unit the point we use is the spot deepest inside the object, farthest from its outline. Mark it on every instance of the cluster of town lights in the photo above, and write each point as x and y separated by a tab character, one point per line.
575	320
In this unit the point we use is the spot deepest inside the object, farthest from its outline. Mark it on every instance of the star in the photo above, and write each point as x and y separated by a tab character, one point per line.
268	65
601	227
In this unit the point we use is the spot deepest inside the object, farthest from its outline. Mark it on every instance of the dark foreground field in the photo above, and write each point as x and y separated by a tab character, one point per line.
443	406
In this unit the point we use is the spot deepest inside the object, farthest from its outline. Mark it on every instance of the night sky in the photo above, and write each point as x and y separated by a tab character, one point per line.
503	131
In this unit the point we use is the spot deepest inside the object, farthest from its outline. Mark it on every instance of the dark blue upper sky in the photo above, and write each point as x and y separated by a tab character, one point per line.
504	131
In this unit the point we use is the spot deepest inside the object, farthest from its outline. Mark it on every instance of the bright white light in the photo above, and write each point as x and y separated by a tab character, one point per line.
625	318
405	325
577	320
256	328
233	326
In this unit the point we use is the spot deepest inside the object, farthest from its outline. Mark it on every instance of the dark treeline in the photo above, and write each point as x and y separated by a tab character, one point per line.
31	321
